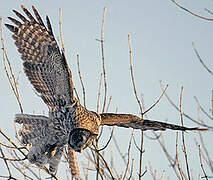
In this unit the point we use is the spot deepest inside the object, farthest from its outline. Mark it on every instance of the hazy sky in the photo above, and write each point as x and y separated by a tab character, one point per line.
162	36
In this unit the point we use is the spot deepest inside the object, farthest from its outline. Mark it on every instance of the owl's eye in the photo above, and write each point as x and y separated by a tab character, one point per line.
78	139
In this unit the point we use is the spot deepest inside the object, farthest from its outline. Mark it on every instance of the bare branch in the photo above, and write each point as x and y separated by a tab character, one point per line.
132	74
81	80
154	174
202	109
200	59
201	164
110	99
169	157
103	60
139	103
107	143
212	102
194	14
177	159
19	149
183	139
128	154
99	92
61	34
105	163
6	163
157	100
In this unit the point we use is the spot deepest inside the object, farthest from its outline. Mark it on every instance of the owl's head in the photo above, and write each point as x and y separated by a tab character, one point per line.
79	139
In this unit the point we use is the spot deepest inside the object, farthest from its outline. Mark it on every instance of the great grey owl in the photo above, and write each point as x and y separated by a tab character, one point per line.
68	122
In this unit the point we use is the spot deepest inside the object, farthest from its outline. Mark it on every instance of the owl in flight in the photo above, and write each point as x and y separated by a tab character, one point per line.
68	121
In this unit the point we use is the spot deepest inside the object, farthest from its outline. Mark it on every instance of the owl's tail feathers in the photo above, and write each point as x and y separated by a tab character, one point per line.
35	131
34	127
132	121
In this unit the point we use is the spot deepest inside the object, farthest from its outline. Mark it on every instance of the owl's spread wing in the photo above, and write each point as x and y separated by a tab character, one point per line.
44	64
132	121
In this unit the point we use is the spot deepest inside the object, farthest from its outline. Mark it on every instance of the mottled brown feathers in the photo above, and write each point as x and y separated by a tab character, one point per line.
44	64
129	120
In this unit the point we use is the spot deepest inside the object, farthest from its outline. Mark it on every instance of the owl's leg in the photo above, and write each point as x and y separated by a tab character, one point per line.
55	159
73	163
37	155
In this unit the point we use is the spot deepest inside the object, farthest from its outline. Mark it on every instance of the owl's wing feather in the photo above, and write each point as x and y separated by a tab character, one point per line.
132	121
44	64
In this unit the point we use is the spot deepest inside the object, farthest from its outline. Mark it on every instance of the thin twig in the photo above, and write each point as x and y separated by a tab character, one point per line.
128	154
11	159
169	157
107	143
23	169
6	163
132	74
103	60
81	80
61	34
154	174
210	12
137	147
145	171
202	109
212	102
209	161
76	93
183	139
110	99
13	143
163	173
201	163
97	161
118	149
194	14
177	159
165	89
131	170
105	163
105	87
99	92
11	147
139	103
200	59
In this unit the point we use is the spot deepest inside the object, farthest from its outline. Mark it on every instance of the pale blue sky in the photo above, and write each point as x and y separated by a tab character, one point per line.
162	36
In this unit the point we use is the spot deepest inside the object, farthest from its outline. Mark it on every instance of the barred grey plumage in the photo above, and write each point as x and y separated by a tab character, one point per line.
68	122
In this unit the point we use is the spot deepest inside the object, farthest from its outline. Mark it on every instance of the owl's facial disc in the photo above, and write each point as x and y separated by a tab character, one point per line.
80	138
